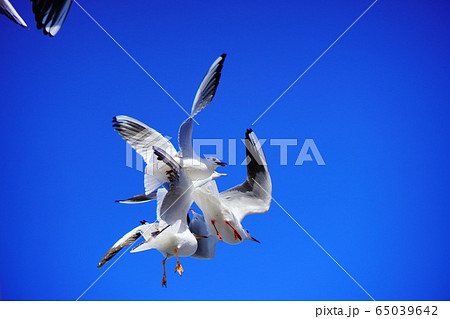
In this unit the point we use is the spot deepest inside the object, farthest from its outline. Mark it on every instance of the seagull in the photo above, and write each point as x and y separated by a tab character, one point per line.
49	14
142	138
224	212
170	235
10	12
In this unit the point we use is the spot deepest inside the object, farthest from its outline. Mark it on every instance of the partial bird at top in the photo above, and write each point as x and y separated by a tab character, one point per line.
142	138
49	14
9	11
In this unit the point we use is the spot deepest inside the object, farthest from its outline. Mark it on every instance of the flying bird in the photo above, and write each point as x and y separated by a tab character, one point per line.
224	212
170	235
142	138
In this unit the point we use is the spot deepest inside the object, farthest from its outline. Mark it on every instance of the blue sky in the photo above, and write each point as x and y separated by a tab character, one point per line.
376	105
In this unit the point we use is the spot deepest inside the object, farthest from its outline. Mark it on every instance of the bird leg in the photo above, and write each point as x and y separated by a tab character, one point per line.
178	267
236	234
164	281
218	235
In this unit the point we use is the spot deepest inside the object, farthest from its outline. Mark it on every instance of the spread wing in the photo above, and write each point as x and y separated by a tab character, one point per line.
204	96
142	137
144	230
208	87
255	194
50	14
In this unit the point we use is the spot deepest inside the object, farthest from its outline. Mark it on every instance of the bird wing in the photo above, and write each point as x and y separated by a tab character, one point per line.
160	194
185	139
208	86
126	240
138	199
255	194
10	12
50	14
142	137
178	200
204	96
142	198
206	247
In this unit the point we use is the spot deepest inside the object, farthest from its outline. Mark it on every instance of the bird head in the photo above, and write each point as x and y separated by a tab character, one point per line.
216	161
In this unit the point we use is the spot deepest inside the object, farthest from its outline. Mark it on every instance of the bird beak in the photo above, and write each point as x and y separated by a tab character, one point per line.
193	212
223	174
198	236
221	163
255	240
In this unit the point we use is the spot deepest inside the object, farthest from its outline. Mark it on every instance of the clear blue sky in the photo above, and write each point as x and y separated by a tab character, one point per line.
376	106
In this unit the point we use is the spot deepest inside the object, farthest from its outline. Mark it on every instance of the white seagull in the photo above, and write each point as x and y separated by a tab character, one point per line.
170	235
225	211
142	138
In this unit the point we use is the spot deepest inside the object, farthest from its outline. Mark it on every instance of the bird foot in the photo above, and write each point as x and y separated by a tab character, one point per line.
179	269
164	282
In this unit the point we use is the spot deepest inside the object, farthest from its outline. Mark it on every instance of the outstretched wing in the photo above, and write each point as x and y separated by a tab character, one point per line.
126	240
208	87
204	96
142	198
9	11
142	137
50	14
255	194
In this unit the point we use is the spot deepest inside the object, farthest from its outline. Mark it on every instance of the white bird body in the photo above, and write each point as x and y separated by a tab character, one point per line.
175	237
217	216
